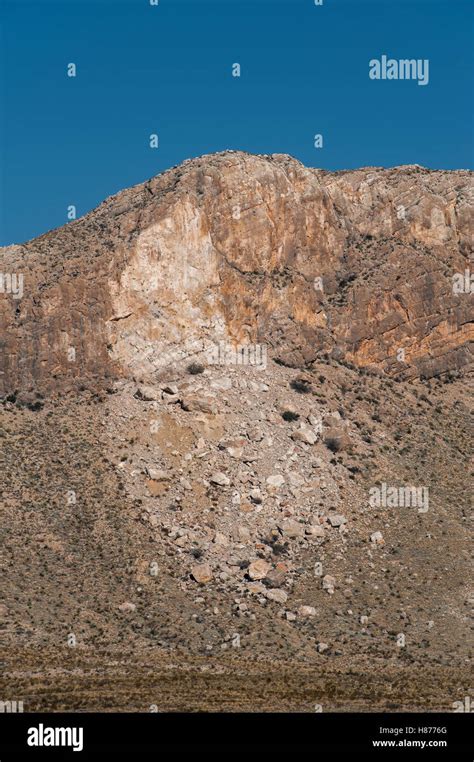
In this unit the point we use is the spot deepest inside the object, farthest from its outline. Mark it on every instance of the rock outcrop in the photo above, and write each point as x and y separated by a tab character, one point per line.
236	249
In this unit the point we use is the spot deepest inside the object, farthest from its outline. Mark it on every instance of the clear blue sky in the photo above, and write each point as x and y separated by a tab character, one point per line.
168	70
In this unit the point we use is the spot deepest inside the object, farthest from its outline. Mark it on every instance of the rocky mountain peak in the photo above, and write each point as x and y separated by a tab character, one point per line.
246	249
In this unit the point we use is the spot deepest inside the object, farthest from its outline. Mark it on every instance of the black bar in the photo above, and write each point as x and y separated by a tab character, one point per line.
444	735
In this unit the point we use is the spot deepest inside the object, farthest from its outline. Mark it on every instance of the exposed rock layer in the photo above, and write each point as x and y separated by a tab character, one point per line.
230	247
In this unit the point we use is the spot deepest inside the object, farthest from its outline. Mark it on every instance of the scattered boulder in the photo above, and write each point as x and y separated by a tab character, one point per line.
221	539
377	538
295	479
147	394
276	480
221	384
329	583
170	389
242	534
292	528
255	434
332	418
127	607
152	520
315	530
233	443
304	435
202	573
258	569
337	520
274	594
158	475
306	611
235	452
256	495
170	399
275	577
220	479
256	588
194	403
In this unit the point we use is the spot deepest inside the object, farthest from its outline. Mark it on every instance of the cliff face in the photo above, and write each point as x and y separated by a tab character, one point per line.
245	249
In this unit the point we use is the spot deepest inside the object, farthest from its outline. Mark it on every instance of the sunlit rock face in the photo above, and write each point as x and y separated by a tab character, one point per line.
246	249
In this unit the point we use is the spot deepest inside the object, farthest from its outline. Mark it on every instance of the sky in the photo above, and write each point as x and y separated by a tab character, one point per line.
167	70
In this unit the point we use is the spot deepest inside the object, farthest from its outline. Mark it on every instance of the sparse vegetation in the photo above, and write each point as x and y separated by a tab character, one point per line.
301	385
333	444
290	415
195	368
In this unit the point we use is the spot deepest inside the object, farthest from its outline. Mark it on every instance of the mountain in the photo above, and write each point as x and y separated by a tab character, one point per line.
235	428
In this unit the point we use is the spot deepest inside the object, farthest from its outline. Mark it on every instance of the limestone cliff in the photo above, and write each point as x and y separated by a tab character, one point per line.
245	249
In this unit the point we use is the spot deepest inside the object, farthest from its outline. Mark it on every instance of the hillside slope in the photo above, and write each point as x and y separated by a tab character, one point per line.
189	526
